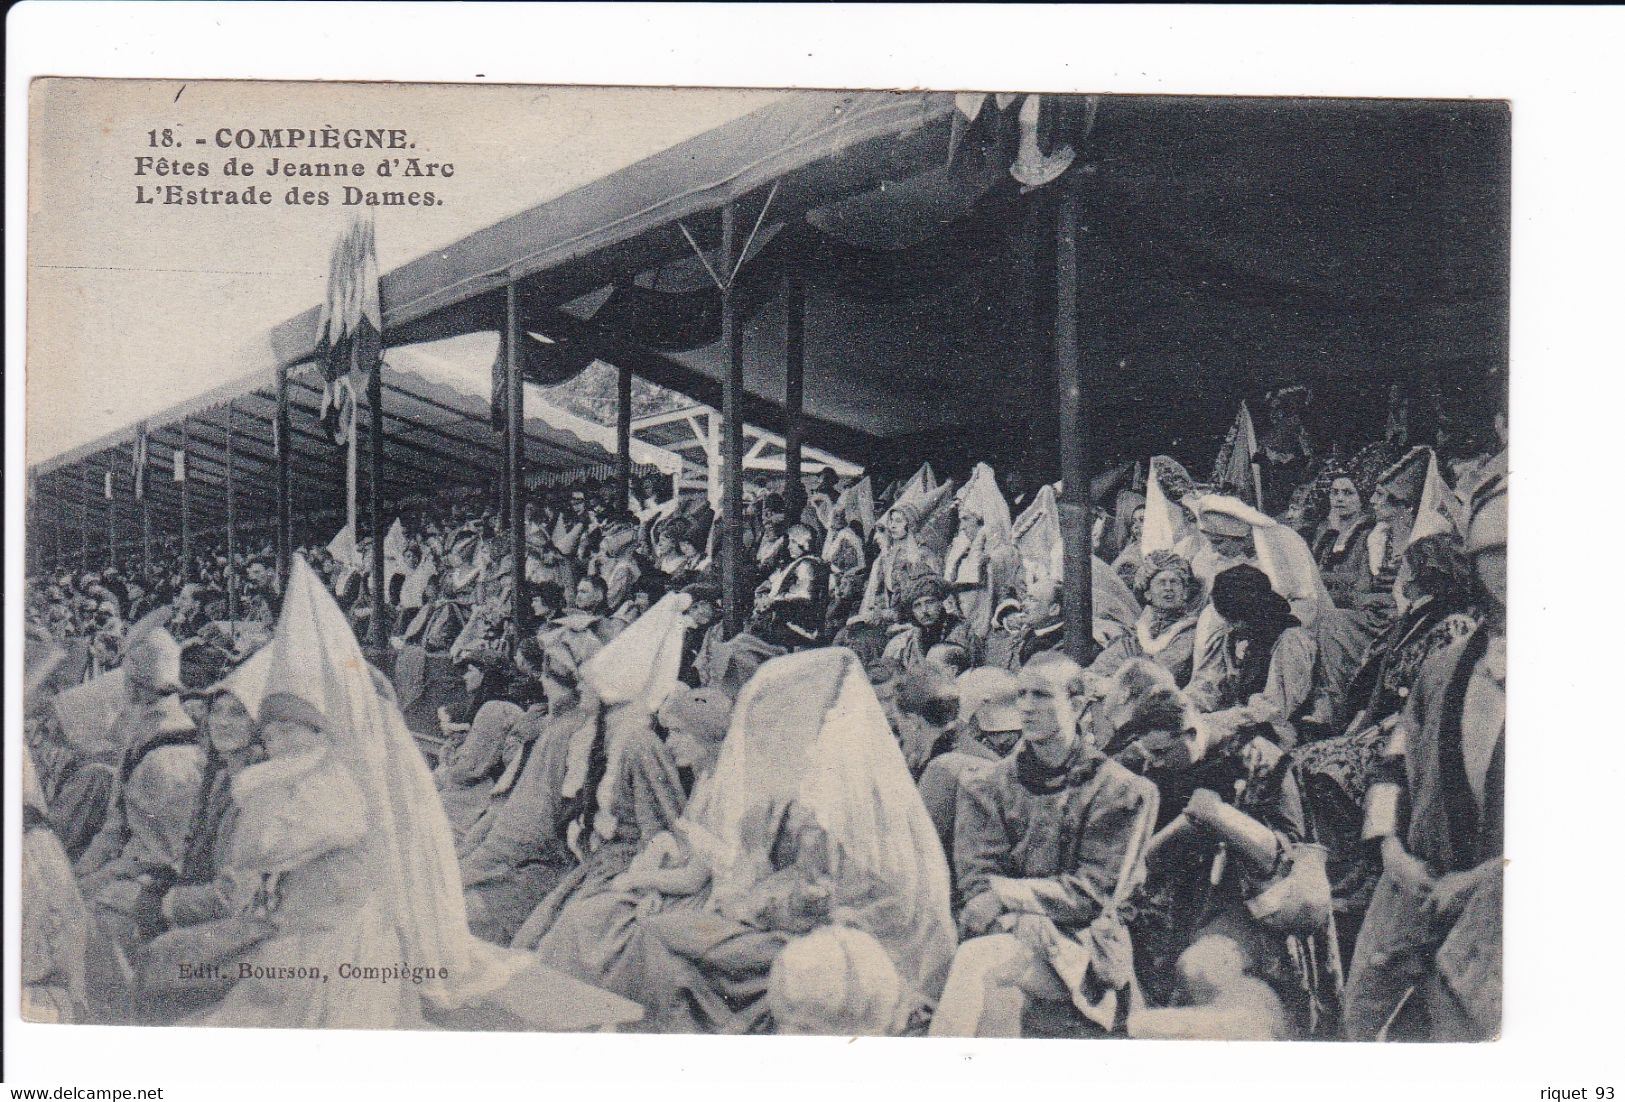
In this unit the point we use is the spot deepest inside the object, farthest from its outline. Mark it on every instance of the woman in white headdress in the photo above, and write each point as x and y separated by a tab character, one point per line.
905	557
1038	539
1233	533
342	846
1169	522
595	937
982	566
621	785
811	820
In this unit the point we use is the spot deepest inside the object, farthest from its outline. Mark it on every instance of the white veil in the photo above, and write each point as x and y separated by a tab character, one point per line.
1282	555
809	728
1037	535
410	856
1163	518
981	496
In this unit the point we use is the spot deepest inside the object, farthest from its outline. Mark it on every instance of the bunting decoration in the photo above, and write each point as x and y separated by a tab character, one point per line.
499	385
350	334
1033	168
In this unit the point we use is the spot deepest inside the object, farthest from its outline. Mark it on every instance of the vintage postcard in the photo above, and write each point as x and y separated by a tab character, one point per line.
867	563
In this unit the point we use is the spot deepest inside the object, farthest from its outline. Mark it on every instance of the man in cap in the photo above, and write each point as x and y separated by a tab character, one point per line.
988	728
1427	964
139	852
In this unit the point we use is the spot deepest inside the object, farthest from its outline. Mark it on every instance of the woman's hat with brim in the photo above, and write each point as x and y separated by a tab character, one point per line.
988	695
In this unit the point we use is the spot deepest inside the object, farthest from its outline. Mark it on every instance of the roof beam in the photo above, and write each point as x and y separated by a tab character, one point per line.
672	374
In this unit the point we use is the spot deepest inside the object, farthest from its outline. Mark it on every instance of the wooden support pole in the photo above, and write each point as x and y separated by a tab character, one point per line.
1077	601
375	496
84	520
623	435
146	531
733	444
516	460
112	515
795	363
283	432
186	506
231	512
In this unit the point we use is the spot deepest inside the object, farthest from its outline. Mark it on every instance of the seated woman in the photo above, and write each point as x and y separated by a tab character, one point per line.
1166	630
340	849
296	861
903	558
811	819
470	769
515	853
1337	772
1257	676
1128	525
982	565
593	938
56	924
1339	541
621	786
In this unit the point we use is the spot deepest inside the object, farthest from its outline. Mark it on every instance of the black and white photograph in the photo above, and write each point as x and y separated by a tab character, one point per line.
563	578
979	564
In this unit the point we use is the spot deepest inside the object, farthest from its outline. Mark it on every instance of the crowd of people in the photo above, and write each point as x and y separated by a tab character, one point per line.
1262	799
